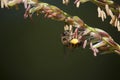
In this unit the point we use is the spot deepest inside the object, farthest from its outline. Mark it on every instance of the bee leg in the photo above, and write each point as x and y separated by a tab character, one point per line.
65	53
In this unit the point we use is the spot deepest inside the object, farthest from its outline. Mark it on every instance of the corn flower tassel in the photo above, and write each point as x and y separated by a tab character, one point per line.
76	32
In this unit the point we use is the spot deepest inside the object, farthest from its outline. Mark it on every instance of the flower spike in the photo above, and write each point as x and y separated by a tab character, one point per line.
76	32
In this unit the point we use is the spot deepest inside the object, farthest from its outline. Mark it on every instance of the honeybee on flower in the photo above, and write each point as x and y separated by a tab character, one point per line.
98	40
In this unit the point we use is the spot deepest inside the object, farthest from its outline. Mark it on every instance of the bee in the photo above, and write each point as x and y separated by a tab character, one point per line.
71	39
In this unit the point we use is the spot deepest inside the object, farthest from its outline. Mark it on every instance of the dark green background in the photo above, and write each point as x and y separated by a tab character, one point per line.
32	50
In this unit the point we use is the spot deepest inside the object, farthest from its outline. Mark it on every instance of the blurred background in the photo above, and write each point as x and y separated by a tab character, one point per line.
30	49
